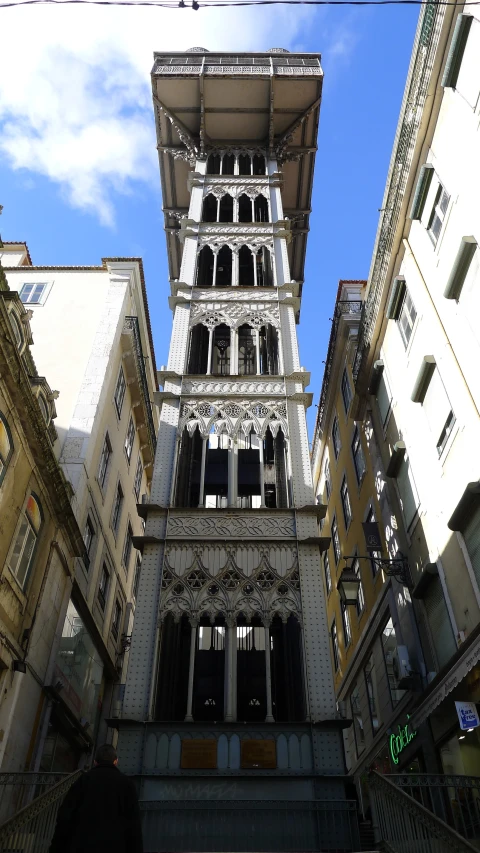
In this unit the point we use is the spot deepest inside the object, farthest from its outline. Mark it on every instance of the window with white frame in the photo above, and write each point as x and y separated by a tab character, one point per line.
334	641
21	558
129	439
336	437
335	540
406	319
438	213
358	457
127	547
346	506
103	586
119	395
117	618
328	574
438	411
347	631
346	391
117	508
34	293
360	605
138	477
105	459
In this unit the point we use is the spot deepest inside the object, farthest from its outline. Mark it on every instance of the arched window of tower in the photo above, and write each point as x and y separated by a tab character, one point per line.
258	164
224	267
205	265
226	208
245	267
244	164
210	208
264	274
197	361
228	164
213	164
260	206
245	212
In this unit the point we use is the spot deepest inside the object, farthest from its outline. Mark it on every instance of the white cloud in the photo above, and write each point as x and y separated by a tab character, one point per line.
75	102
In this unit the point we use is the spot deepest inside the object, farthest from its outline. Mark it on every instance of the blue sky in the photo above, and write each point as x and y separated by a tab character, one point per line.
78	170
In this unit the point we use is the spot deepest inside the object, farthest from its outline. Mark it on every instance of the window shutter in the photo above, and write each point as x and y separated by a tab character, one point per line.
457	47
408	492
436	405
396	298
460	268
471	534
423	379
384	398
439	622
421	191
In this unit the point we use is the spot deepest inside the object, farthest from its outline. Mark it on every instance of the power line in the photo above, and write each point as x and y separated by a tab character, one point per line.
207	4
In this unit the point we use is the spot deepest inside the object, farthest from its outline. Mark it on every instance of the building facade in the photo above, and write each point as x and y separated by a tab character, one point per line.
229	700
416	376
40	541
92	334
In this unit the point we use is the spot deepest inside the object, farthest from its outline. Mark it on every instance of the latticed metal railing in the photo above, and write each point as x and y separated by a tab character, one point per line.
19	789
404	825
31	829
453	798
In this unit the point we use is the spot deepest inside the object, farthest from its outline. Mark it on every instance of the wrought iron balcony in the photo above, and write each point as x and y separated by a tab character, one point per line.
131	328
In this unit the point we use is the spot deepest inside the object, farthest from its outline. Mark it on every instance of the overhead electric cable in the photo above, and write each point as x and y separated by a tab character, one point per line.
208	4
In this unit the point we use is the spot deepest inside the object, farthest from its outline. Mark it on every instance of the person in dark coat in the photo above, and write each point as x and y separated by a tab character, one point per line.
100	812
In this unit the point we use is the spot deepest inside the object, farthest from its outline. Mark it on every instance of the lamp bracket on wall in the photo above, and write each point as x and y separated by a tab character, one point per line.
396	567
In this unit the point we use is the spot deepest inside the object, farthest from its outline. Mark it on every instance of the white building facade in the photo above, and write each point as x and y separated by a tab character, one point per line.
92	335
229	697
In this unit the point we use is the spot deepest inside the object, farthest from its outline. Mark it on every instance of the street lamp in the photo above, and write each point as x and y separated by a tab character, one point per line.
348	586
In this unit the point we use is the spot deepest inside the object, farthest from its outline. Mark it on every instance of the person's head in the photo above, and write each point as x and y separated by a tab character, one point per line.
106	754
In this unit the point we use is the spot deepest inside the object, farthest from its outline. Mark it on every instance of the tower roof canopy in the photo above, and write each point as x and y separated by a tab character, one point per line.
269	101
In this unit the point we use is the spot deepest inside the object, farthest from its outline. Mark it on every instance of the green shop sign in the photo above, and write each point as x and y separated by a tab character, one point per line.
398	742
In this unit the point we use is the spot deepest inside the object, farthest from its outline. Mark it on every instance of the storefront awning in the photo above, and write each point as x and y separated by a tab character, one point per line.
462	662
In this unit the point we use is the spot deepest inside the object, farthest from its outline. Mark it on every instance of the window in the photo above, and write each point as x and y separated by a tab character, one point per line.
127	547
136	577
438	411
120	392
117	618
346	391
103	586
335	540
138	478
328	574
384	399
27	535
16	329
408	491
44	409
373	554
357	720
88	536
360	605
117	508
336	437
328	480
406	319
334	639
437	216
129	439
347	631
104	462
358	457
372	693
390	652
6	446
347	509
34	294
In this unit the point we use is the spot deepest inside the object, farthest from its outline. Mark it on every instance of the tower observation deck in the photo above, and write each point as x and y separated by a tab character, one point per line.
229	718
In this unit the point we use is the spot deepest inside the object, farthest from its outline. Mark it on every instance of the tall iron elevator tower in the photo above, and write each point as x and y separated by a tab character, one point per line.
229	717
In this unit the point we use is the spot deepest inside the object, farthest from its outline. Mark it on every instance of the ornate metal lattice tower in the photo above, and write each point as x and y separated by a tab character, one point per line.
230	675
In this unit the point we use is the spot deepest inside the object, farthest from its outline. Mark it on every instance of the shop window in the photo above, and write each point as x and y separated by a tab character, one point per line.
372	693
6	447
120	392
390	652
210	208
205	266
22	556
358	457
358	729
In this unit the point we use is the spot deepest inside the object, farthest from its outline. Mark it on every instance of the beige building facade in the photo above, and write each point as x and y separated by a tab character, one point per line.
101	360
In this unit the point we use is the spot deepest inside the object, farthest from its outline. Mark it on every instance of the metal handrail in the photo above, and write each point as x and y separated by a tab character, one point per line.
32	828
403	825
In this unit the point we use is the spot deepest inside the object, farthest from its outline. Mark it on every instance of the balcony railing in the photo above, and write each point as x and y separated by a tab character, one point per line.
131	327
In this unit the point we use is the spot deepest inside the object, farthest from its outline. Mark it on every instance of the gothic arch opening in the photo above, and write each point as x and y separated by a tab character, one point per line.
226	208
213	164
264	268
187	492
244	164
210	205
228	164
216	470
245	267
173	666
288	692
244	208
208	687
275	475
251	671
224	267
260	206
221	351
205	263
247	353
197	362
268	350
258	164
